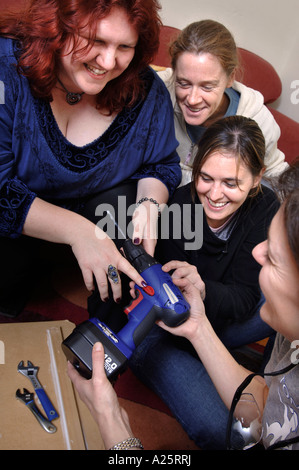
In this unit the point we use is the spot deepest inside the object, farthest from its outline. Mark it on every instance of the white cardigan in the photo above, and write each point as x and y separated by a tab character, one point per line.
251	105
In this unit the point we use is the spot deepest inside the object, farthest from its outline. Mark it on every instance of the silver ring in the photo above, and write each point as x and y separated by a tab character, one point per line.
113	274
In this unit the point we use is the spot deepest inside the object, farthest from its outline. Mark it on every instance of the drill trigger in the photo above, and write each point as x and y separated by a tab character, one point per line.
134	302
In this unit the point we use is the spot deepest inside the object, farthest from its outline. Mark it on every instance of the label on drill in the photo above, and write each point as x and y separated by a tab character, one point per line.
116	350
109	364
107	332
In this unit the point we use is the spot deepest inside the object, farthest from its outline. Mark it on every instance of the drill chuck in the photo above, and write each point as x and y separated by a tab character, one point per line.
137	257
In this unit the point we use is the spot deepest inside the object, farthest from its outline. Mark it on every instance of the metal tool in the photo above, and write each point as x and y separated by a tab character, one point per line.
28	399
31	372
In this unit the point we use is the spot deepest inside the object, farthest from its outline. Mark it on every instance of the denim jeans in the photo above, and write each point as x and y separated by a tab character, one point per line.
170	367
251	330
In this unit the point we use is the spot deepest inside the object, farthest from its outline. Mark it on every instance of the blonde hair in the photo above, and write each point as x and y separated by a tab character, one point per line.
207	36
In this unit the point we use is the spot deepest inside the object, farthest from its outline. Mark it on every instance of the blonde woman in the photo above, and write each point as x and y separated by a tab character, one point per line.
202	86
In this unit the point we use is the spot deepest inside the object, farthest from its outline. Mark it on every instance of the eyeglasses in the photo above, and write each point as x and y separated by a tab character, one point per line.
249	429
244	434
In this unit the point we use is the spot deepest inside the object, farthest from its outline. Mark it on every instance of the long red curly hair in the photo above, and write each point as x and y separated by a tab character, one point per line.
45	26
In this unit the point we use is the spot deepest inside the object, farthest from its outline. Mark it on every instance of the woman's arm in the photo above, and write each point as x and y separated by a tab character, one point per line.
222	368
93	249
145	216
101	400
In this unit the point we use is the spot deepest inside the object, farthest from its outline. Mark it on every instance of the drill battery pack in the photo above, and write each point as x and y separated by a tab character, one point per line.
77	348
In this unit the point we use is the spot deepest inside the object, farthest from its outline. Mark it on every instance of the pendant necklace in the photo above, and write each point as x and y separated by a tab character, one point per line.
71	98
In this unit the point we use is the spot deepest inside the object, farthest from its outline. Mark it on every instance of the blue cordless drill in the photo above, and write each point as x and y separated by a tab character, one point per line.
159	300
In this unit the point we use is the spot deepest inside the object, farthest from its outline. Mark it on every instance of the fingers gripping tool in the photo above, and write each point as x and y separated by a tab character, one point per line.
31	372
161	299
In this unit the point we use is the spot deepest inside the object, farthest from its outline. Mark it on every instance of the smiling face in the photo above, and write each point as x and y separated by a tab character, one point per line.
200	82
109	56
279	280
222	186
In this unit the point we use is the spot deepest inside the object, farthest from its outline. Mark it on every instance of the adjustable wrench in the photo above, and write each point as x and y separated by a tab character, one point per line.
27	398
31	372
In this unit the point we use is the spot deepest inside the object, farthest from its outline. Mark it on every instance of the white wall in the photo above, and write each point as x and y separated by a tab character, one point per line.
270	28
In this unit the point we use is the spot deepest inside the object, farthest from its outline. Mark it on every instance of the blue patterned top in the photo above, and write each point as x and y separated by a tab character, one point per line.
37	160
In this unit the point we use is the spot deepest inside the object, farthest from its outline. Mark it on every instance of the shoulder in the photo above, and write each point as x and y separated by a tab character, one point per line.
260	209
182	195
154	86
265	199
168	78
251	105
157	97
159	84
9	48
8	71
6	46
166	75
283	353
152	79
247	94
266	196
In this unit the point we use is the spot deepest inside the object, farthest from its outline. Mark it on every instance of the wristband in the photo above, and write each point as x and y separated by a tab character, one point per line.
128	444
143	199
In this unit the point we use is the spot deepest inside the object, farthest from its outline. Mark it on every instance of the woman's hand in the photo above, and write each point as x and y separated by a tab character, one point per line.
145	219
189	329
188	271
197	317
101	400
95	252
223	369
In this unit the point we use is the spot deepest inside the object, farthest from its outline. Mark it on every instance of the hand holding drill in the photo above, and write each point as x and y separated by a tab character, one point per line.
159	300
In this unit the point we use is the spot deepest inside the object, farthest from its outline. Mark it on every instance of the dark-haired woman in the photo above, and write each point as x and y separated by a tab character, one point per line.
265	409
237	212
84	120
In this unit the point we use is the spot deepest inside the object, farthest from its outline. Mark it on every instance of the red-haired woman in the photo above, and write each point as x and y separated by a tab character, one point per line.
83	121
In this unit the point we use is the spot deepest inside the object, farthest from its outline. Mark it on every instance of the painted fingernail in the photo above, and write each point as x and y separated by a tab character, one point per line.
144	284
117	301
106	299
136	241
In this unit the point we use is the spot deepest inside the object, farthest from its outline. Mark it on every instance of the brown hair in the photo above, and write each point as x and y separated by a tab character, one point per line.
45	26
288	189
210	37
237	135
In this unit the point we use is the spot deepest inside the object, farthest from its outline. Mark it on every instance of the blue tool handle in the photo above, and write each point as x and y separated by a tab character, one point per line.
46	404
